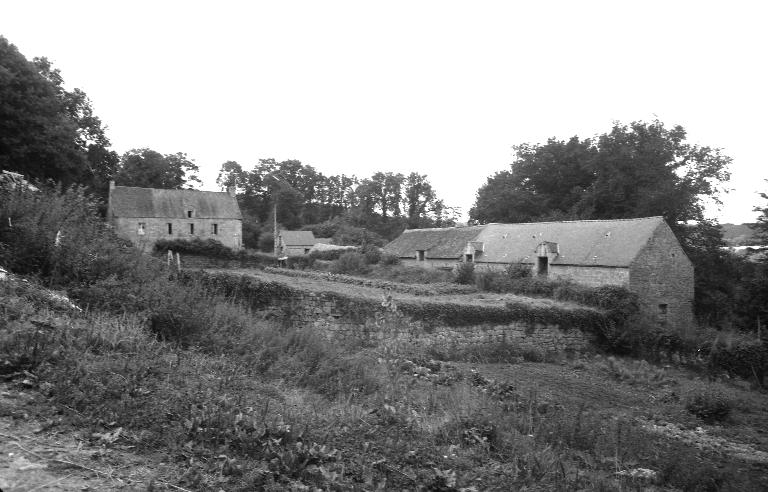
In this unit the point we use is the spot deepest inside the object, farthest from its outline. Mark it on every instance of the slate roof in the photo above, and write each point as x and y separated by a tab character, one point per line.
584	242
446	243
129	201
298	238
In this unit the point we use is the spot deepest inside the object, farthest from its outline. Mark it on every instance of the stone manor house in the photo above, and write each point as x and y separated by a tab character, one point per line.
640	254
145	215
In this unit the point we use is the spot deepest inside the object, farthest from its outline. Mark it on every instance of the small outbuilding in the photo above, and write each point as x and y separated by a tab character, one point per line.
641	254
294	243
146	215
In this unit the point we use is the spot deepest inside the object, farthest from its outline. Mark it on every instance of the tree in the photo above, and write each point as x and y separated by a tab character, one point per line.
545	181
761	226
635	170
147	168
47	132
231	174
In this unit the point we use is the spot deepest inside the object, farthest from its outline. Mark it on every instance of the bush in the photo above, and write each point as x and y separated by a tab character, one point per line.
196	246
331	254
465	273
300	262
388	259
708	404
58	234
267	242
357	236
740	356
372	254
518	270
350	263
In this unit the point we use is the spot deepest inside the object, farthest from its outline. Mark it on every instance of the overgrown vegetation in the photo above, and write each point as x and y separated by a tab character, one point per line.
239	402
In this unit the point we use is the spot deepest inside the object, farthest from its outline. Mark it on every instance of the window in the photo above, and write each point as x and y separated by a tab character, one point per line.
215	229
662	315
468	258
191	228
306	251
420	255
142	228
190	214
543	266
170	228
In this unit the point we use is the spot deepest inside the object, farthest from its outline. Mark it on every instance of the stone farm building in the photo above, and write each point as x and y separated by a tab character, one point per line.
145	215
294	243
640	254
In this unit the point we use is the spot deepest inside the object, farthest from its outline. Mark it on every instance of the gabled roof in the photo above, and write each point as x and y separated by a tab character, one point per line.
129	201
297	238
582	242
436	243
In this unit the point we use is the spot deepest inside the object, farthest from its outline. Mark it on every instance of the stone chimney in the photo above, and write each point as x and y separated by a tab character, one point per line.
232	191
111	184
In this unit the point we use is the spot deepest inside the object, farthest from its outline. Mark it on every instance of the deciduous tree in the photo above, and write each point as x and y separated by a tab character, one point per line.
147	168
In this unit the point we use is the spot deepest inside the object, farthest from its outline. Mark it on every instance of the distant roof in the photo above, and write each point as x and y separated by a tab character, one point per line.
582	242
129	201
298	238
447	242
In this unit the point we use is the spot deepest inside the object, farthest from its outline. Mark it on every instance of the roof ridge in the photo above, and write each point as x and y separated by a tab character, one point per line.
169	189
574	221
443	228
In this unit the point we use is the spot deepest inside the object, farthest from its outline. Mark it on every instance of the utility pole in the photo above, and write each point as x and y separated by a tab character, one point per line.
274	229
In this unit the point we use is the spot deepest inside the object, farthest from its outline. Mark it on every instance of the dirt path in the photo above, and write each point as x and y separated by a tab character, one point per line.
37	453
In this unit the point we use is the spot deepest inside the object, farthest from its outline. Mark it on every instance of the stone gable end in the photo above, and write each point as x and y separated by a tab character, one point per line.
662	276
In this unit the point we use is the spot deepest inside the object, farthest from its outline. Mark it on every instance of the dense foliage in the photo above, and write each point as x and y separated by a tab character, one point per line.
352	210
46	131
637	170
147	168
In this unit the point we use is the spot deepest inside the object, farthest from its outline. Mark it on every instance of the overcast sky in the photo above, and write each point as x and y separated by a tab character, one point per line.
438	87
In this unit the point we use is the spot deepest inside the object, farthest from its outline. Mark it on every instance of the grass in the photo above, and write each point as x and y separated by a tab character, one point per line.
295	412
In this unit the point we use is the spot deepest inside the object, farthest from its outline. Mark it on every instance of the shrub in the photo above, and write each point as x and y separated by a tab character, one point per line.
518	270
58	235
413	274
267	242
372	254
300	262
465	273
739	356
388	259
331	254
350	263
709	404
196	246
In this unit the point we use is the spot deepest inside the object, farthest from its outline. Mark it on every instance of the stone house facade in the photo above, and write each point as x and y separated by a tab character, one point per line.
146	215
641	254
294	243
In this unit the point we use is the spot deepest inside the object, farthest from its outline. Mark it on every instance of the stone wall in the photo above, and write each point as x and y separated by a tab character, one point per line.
328	316
228	231
592	276
662	276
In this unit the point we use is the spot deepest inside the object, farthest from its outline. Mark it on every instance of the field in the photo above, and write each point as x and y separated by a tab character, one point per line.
93	400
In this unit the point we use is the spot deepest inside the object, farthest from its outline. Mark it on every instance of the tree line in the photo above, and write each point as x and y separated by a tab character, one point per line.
385	203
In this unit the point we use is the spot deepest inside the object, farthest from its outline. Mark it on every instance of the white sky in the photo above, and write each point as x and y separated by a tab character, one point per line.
439	87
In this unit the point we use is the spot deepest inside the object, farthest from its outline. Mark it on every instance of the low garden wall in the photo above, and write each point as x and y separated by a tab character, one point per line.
426	323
